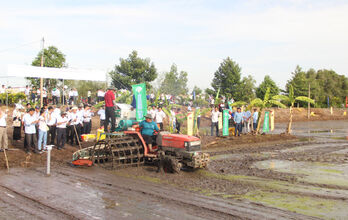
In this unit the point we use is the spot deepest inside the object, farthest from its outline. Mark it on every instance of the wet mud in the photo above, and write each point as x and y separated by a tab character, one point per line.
274	176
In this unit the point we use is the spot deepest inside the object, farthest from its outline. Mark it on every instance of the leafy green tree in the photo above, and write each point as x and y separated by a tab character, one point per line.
247	88
267	83
267	102
133	70
228	79
299	82
174	83
291	99
52	58
197	90
323	83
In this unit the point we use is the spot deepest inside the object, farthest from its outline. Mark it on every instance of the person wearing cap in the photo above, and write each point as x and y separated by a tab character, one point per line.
29	121
75	123
148	127
62	122
110	104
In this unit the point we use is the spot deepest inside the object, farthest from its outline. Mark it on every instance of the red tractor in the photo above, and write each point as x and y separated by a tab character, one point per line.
127	148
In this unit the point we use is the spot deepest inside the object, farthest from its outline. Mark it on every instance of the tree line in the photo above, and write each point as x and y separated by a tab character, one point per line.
326	86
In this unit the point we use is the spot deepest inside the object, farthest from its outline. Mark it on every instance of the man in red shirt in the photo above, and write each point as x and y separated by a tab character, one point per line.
110	105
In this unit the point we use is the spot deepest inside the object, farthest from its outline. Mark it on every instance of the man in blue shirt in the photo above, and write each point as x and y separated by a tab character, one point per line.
148	127
238	119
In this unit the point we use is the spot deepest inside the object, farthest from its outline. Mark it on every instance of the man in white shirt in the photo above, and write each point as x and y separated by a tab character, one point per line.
57	96
255	118
89	94
153	111
76	95
2	90
71	97
152	97
173	118
27	92
54	97
100	95
75	127
87	120
29	121
101	114
51	123
159	116
215	121
3	130
62	122
44	96
56	111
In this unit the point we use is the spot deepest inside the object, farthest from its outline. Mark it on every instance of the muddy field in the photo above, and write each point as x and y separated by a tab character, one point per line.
273	176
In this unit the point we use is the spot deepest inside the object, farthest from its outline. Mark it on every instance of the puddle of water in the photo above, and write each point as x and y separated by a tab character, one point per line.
317	207
318	129
321	173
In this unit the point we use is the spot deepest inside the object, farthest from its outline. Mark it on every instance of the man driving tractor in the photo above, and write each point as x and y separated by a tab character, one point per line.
148	127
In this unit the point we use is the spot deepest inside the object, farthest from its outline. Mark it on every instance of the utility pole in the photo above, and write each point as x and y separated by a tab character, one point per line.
309	104
41	79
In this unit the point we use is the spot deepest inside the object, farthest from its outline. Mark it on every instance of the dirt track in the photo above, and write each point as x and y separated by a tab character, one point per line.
98	194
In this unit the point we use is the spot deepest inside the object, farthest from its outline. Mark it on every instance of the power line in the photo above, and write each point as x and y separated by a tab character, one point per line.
19	46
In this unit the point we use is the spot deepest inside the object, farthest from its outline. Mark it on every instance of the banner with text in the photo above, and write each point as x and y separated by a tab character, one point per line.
266	123
225	123
139	91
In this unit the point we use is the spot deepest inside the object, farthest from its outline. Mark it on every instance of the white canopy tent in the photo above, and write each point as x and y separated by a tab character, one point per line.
56	73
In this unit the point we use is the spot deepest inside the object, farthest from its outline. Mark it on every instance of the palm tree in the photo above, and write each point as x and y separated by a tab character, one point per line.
292	99
265	103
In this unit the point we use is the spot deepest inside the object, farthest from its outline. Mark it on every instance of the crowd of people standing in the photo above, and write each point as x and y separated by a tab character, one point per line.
47	125
238	119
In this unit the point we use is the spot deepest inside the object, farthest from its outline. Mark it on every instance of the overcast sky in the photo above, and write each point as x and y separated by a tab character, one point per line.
262	36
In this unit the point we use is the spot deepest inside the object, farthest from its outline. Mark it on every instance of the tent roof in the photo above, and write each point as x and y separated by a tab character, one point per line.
56	73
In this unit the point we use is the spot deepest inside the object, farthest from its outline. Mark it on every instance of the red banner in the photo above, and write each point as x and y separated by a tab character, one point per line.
346	102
